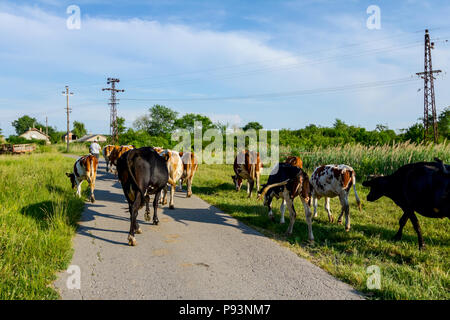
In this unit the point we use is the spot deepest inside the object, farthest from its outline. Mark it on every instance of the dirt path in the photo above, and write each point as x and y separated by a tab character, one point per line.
196	252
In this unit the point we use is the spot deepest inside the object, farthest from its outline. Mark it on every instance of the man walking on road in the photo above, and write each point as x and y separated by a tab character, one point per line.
94	148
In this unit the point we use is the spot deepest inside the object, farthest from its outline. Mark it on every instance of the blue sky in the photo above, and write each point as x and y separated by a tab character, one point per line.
189	55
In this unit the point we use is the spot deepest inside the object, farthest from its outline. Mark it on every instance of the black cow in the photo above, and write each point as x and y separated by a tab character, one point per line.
287	182
141	172
422	187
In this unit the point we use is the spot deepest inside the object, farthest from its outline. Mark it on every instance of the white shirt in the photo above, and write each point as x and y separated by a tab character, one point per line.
94	148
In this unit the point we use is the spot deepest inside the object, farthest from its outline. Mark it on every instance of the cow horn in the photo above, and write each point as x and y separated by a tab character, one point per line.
267	188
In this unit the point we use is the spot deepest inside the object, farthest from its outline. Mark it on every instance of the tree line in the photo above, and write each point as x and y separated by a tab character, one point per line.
157	125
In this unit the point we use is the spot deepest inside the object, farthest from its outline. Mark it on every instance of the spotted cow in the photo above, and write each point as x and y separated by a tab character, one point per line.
190	166
331	181
85	168
247	166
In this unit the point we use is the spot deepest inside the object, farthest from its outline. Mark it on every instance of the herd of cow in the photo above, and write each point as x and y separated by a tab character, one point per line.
422	187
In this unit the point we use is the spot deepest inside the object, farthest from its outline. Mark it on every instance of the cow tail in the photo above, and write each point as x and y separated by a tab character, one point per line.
267	188
133	178
356	194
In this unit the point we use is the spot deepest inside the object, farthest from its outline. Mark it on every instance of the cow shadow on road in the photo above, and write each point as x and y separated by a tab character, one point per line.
211	215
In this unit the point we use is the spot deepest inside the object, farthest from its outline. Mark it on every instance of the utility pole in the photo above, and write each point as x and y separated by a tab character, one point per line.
46	126
113	103
428	90
68	110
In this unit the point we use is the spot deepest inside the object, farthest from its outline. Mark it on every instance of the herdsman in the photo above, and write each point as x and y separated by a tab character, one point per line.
94	149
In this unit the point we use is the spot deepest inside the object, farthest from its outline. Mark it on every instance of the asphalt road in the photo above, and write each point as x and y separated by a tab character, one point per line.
196	252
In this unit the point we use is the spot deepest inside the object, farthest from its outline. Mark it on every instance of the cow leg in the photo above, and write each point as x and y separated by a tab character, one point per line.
155	208
308	215
345	210
250	185
282	210
92	186
292	213
402	223
314	201
416	226
189	187
164	198
134	212
327	208
172	194
269	205
79	188
147	208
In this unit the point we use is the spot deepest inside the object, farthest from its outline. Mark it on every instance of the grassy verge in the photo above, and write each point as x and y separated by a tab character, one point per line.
406	273
38	216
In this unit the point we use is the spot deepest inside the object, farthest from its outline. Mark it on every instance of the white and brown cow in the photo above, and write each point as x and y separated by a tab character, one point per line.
175	168
331	181
190	166
85	168
107	153
247	166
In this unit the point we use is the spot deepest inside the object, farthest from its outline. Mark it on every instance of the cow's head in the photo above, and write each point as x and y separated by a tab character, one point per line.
377	187
72	179
237	182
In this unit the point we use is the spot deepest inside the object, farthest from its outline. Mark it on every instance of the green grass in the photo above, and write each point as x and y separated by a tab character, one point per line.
406	273
38	216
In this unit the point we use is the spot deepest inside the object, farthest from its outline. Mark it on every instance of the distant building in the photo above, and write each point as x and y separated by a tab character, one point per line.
35	134
92	137
72	137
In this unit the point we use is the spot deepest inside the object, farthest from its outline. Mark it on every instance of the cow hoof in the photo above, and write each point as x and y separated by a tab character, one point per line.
147	217
281	222
155	222
132	241
139	231
347	229
339	222
189	195
92	199
171	207
331	219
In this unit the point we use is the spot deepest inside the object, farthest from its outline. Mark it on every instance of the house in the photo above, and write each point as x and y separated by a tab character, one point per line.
35	134
92	137
72	137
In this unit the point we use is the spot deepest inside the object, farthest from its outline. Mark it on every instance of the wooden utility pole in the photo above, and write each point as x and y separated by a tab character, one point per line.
68	110
428	91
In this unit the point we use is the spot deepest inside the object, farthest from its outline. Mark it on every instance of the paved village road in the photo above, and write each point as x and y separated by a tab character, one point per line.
196	252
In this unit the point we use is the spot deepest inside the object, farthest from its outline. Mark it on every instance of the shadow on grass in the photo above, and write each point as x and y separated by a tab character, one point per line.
44	212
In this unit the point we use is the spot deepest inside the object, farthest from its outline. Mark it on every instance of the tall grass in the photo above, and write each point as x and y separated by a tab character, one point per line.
38	216
373	160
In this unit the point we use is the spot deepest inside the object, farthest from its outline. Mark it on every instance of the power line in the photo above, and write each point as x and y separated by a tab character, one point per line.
357	86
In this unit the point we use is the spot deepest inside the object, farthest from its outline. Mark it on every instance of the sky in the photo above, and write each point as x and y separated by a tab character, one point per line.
285	64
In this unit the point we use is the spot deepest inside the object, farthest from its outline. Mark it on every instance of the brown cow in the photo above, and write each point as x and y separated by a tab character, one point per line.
106	154
85	168
247	166
116	153
190	166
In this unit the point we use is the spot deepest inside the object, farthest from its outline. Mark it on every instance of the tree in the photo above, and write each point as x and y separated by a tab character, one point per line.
78	129
25	122
252	125
188	120
161	120
121	125
142	123
414	133
444	123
